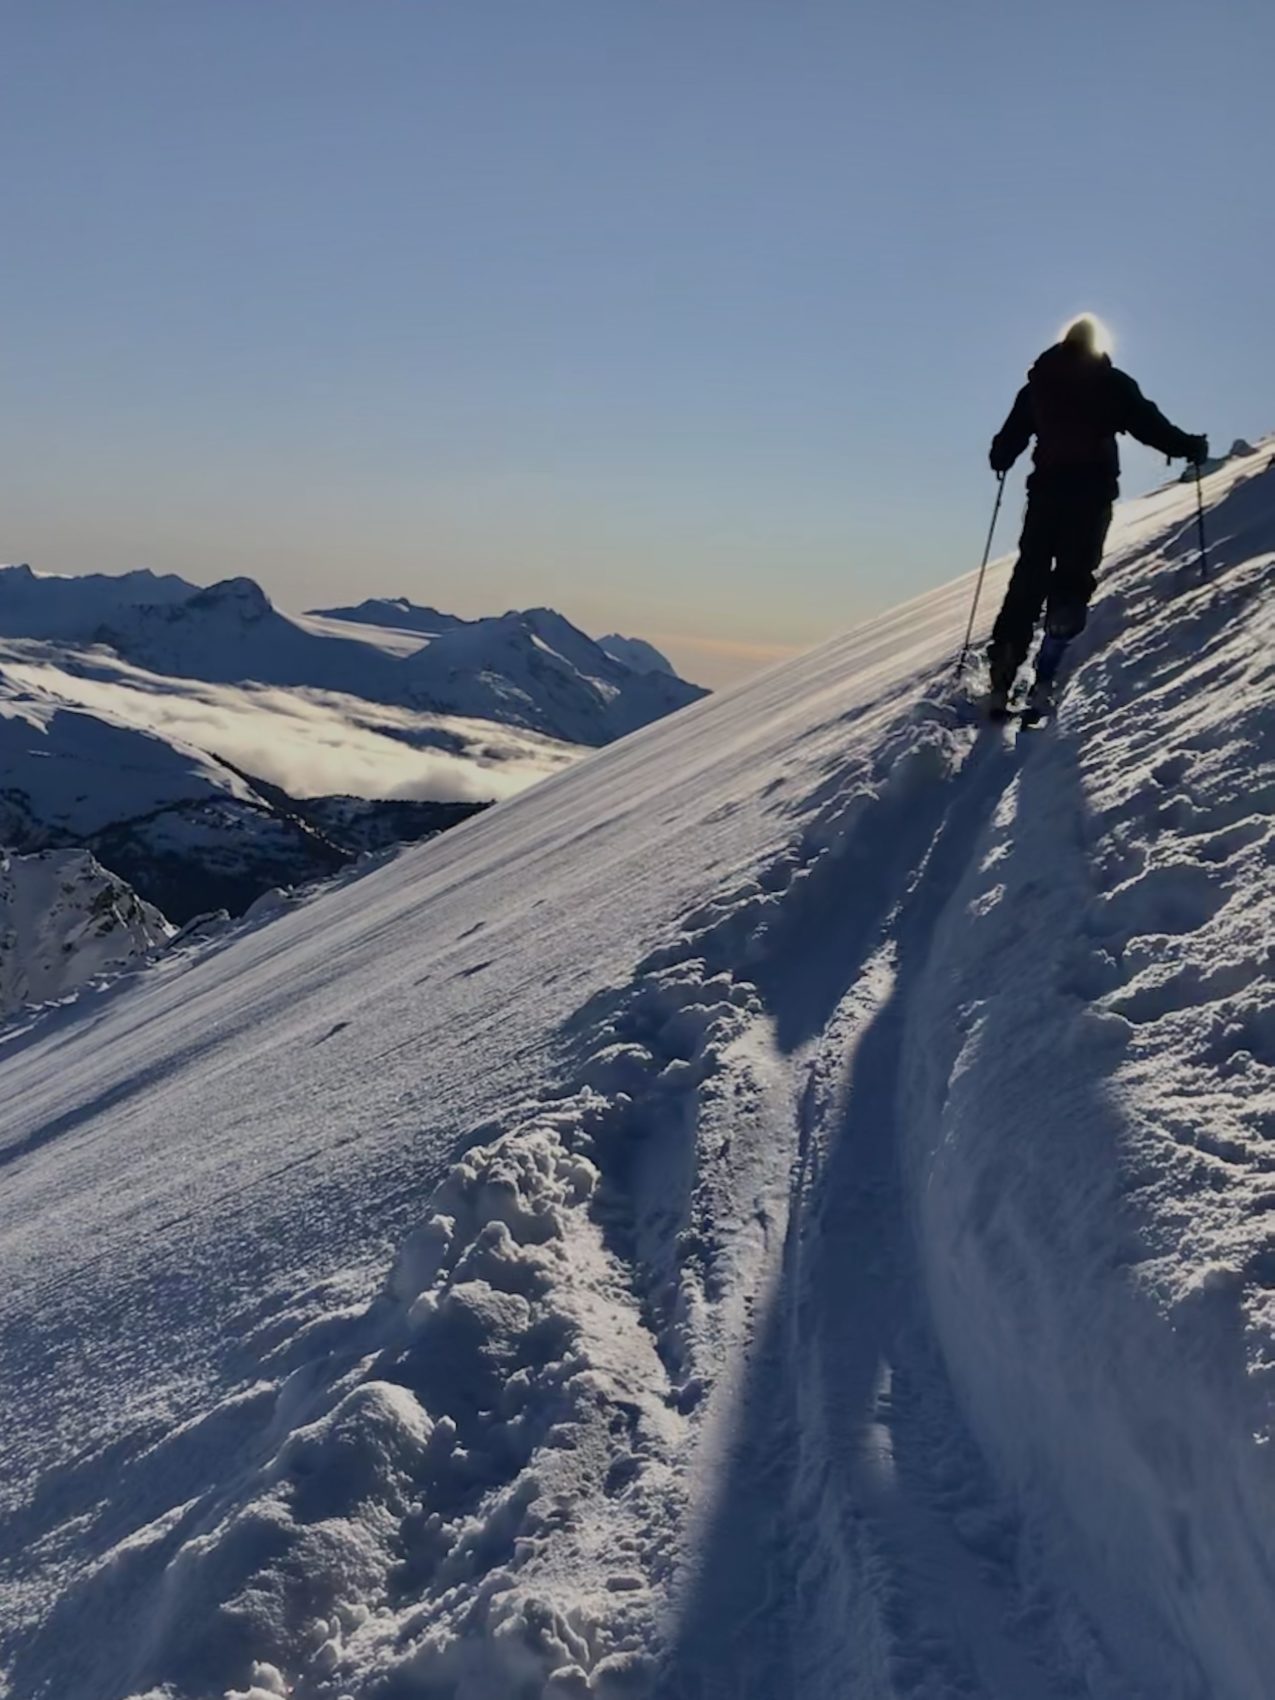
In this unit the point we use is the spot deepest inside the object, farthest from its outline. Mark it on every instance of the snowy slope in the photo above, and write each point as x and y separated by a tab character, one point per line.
63	921
394	640
781	1209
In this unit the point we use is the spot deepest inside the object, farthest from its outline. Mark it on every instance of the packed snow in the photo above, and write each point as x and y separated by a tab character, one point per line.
780	1209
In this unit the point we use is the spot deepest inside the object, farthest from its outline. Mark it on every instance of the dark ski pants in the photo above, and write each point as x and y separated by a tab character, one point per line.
1064	530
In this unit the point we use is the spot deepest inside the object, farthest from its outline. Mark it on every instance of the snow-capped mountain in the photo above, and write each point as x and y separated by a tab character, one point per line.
45	605
533	670
636	653
781	1208
183	829
398	613
232	632
130	710
393	612
63	921
536	669
1240	449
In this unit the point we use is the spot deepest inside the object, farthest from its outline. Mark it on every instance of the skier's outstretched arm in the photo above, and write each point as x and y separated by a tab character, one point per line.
1142	419
1015	434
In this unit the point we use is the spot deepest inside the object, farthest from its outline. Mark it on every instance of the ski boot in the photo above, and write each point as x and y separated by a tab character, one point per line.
1041	701
1003	670
998	703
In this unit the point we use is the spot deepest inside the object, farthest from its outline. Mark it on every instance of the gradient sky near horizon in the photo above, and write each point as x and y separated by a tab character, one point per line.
692	318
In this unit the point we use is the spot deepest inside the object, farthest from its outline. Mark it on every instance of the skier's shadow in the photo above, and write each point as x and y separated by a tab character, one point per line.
775	1534
896	855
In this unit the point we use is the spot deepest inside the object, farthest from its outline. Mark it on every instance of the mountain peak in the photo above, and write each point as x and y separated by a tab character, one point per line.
635	653
242	596
393	611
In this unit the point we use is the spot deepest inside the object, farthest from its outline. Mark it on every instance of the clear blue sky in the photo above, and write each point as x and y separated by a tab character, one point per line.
690	317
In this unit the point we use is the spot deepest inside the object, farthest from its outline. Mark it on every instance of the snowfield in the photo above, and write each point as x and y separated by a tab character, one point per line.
783	1208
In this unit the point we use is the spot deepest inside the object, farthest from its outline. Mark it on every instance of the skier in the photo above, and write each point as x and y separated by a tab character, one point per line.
1074	402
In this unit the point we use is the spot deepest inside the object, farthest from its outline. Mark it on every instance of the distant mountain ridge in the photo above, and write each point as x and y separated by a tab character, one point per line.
398	613
531	669
394	612
49	605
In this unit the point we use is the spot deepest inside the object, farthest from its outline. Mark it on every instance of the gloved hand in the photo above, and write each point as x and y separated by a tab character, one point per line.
1197	451
997	460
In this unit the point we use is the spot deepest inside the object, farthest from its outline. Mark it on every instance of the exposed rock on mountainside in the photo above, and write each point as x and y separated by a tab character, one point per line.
63	920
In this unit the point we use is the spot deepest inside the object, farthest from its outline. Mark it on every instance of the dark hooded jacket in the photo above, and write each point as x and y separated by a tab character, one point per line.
1075	402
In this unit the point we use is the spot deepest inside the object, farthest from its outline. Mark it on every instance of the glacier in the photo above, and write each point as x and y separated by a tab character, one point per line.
781	1208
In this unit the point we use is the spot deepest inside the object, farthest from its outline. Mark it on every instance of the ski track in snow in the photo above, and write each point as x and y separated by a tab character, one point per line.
820	1149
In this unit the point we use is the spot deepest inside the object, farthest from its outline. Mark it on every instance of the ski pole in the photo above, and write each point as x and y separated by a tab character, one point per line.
1199	520
982	573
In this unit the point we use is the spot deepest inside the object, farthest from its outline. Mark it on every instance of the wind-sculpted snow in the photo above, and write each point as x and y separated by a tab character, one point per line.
776	1211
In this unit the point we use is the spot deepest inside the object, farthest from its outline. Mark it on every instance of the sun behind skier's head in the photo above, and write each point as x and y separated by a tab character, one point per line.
1088	333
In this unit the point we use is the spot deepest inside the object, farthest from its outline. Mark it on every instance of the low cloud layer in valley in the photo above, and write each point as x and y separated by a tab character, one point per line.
310	742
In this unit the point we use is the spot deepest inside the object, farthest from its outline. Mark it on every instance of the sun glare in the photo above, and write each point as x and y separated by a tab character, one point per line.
1104	342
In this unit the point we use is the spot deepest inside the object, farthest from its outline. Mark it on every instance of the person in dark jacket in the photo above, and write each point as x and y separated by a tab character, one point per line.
1074	402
